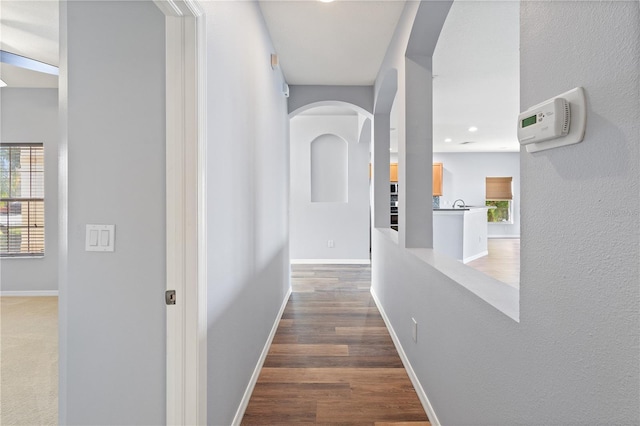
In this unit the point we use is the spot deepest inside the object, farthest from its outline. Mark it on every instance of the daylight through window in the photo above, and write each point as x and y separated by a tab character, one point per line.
499	196
21	199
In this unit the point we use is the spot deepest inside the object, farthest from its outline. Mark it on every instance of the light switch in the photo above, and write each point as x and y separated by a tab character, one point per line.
104	238
93	237
100	238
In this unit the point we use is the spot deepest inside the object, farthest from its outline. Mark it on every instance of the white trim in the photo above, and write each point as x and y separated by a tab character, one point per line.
507	236
256	372
29	293
422	395
331	261
475	256
186	402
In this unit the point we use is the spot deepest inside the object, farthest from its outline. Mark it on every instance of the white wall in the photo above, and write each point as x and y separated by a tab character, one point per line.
313	224
573	356
31	115
112	311
464	177
247	206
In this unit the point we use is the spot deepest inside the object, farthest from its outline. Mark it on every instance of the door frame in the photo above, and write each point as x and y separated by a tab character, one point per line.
186	270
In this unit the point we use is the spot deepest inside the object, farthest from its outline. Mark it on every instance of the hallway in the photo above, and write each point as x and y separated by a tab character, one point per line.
332	359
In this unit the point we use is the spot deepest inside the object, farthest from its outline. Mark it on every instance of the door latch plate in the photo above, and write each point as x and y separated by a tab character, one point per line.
170	297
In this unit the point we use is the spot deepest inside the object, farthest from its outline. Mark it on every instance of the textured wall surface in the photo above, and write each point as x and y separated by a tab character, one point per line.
31	115
574	355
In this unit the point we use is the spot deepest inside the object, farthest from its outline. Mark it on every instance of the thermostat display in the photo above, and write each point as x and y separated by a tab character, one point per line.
529	121
548	120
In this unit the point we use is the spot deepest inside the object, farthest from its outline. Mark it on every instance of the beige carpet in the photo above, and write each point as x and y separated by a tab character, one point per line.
29	360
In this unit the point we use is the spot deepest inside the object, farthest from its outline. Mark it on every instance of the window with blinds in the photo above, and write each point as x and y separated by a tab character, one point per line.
21	199
499	196
499	188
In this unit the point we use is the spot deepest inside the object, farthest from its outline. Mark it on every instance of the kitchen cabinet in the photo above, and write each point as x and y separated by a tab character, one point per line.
437	179
437	176
393	172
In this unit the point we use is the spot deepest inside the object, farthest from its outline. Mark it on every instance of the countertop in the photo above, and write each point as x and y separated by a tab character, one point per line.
462	209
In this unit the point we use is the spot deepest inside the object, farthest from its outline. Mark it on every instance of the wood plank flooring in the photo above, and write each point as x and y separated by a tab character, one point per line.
332	360
503	261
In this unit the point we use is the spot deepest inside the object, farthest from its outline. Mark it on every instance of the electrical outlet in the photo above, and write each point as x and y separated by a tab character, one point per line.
330	244
415	330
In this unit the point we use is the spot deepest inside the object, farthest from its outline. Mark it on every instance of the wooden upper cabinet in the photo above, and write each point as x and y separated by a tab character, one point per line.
437	179
393	172
437	176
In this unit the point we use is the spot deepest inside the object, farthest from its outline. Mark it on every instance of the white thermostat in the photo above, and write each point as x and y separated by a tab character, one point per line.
549	120
555	122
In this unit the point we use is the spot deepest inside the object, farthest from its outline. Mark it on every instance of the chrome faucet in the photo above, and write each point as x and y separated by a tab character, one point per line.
462	206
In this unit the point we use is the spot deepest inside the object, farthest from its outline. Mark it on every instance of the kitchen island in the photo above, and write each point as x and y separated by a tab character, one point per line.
461	232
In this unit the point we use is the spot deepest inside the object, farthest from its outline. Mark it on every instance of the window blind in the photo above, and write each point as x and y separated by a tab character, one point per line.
21	199
499	188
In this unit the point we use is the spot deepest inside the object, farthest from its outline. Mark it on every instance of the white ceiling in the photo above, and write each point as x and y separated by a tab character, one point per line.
339	43
29	28
476	67
476	61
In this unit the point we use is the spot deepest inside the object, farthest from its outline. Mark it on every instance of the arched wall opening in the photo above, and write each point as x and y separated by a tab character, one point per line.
380	149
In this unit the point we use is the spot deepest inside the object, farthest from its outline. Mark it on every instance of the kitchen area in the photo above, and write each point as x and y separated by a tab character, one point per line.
461	226
459	230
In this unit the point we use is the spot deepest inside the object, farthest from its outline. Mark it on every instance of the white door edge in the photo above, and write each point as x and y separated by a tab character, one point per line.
186	225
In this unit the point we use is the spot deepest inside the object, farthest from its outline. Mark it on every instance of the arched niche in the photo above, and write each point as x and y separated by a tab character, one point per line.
329	158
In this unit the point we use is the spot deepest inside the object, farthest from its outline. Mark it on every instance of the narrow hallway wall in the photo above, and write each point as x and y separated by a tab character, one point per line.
247	207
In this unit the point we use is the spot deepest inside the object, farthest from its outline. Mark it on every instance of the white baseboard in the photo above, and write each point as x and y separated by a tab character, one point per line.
474	257
330	261
508	236
34	293
407	365
256	372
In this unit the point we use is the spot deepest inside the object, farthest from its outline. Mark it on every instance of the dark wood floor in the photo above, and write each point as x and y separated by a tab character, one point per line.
332	359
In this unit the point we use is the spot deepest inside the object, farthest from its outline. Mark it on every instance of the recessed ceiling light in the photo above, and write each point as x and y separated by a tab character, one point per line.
447	140
473	129
326	1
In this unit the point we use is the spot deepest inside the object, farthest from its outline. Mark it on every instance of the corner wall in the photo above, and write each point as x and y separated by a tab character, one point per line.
31	115
574	355
247	200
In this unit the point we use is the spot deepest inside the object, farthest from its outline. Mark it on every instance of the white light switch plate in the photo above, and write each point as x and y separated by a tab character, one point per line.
100	238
